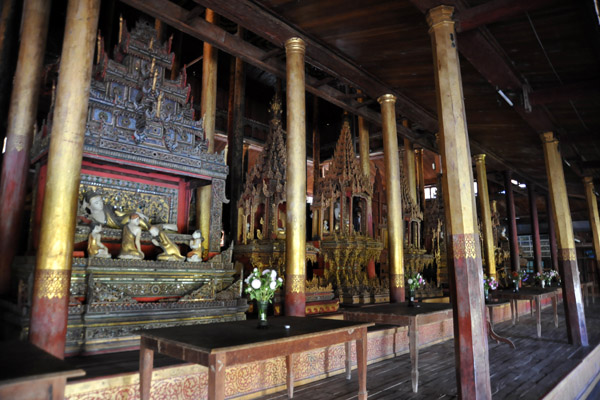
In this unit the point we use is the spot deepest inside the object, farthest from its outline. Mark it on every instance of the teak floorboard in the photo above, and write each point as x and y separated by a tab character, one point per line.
526	373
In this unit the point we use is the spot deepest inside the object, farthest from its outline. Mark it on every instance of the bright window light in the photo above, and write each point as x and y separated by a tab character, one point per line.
505	97
430	192
4	146
514	182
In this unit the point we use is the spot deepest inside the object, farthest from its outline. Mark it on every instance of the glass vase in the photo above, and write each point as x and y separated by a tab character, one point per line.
516	288
411	298
486	294
263	306
543	282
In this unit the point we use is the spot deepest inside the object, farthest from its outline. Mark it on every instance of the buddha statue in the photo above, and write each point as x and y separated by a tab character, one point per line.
196	245
131	248
170	250
101	213
95	246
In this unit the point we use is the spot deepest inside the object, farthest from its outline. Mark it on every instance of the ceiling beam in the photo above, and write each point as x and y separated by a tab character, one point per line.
260	21
565	93
493	11
197	27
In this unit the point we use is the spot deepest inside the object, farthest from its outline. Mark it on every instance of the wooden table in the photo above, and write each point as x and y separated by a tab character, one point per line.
490	316
27	372
401	315
220	345
586	288
531	294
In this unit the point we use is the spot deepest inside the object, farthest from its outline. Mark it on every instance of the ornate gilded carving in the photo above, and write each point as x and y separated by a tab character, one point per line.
567	255
52	283
397	280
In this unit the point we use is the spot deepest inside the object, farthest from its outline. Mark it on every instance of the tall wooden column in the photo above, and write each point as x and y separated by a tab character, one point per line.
55	253
512	222
316	139
10	19
365	163
409	161
592	201
420	178
236	139
394	196
295	300
208	110
552	233
486	215
464	253
535	229
567	260
21	120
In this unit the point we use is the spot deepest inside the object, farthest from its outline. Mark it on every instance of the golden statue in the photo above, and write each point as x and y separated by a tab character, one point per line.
170	250
131	248
95	246
196	245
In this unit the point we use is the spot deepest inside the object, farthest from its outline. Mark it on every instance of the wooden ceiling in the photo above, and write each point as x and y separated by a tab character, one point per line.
543	54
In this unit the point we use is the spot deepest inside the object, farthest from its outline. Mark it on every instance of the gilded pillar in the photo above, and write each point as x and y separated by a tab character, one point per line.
535	229
420	178
486	215
48	326
409	161
394	197
208	110
19	133
515	263
592	201
464	253
567	260
295	300
317	222
552	233
365	163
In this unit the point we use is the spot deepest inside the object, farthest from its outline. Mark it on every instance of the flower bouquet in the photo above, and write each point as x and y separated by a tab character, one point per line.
489	284
414	281
261	287
549	275
517	278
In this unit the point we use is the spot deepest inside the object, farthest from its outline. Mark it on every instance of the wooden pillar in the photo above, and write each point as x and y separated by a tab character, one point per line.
295	285
208	110
486	215
394	197
567	260
535	229
592	201
21	121
552	233
409	161
317	222
464	253
236	138
48	327
420	178
10	18
512	222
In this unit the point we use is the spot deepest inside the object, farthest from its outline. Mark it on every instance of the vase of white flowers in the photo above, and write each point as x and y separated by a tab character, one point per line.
414	281
261	286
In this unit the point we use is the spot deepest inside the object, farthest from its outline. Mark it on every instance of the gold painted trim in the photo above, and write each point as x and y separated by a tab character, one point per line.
548	137
397	280
297	283
52	283
294	45
387	98
479	158
567	255
464	246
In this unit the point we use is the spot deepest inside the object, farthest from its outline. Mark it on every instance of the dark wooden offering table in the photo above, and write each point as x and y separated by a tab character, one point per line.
401	315
490	316
220	345
530	294
27	372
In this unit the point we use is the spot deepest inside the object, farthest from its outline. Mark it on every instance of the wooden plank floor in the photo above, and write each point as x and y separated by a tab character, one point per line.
528	372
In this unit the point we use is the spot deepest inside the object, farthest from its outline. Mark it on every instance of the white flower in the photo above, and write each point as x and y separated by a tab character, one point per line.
273	274
266	271
273	285
410	281
255	271
256	284
280	280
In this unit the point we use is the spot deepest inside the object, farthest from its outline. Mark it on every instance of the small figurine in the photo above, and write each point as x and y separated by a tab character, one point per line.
95	246
196	245
131	248
325	226
170	250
